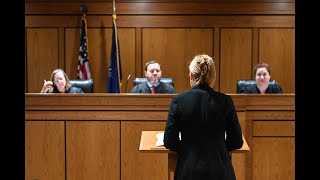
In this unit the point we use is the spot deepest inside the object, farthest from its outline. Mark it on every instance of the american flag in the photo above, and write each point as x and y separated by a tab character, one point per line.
83	66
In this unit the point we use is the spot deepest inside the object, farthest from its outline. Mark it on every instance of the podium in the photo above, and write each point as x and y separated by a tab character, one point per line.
148	145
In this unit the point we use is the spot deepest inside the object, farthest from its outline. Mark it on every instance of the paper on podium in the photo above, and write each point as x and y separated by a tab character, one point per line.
160	136
152	141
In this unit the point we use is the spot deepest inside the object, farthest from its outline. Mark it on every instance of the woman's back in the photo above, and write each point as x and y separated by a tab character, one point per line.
209	127
203	116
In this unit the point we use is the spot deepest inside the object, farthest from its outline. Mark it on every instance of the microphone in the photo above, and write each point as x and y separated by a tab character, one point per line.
125	89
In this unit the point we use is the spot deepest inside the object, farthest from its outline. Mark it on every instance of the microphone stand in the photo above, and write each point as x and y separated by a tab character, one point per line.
125	89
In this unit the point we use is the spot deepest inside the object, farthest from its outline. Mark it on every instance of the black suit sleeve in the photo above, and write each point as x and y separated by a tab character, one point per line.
171	133
233	129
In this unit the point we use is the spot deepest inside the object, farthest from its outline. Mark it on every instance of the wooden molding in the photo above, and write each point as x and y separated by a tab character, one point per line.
162	8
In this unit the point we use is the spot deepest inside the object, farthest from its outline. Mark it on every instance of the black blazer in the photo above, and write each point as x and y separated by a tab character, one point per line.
72	90
204	117
162	88
253	89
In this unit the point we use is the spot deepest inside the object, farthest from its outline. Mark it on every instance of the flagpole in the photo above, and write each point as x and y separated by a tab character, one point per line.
84	10
83	64
114	17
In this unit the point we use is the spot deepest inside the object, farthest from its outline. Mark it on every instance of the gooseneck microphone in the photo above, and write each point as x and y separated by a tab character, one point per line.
125	89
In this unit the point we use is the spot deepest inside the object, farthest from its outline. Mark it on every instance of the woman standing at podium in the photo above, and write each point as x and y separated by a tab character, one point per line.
209	127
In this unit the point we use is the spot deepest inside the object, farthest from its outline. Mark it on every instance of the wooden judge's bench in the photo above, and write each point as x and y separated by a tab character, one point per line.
97	136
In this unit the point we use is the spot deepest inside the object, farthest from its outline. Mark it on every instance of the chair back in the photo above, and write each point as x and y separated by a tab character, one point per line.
137	81
243	83
86	85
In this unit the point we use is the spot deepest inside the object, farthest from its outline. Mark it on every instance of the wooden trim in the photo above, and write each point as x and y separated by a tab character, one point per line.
281	115
270	102
162	8
63	115
96	101
104	101
256	111
145	102
164	21
163	1
273	128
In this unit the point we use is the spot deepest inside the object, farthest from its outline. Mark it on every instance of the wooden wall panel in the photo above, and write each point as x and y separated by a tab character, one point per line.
25	62
93	150
99	47
238	162
44	150
139	165
274	158
273	128
242	120
141	26
127	42
271	140
235	57
174	49
72	45
42	56
272	152
277	48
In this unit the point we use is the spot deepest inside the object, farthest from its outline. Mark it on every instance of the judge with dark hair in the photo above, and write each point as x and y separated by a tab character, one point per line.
153	84
262	72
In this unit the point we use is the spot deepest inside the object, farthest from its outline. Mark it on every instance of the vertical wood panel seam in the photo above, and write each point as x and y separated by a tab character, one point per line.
120	155
138	41
61	48
65	150
26	59
216	52
255	49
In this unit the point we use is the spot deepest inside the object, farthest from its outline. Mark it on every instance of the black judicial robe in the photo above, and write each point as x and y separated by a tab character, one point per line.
162	88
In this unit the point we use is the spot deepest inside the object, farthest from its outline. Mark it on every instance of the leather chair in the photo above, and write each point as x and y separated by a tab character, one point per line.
137	81
86	85
243	83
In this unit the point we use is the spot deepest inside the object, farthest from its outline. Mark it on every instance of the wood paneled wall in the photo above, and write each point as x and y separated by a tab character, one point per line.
237	34
97	136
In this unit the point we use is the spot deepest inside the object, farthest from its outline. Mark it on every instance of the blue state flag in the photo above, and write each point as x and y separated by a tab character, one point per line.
115	74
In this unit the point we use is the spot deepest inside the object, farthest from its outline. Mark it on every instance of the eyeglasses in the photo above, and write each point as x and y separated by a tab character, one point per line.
57	81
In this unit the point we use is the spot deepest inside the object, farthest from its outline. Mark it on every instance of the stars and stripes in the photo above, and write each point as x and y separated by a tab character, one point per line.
83	65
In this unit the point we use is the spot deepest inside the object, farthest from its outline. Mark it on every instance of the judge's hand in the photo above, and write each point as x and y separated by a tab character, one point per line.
47	86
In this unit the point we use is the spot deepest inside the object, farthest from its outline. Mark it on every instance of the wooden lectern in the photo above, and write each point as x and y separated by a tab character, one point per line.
148	144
